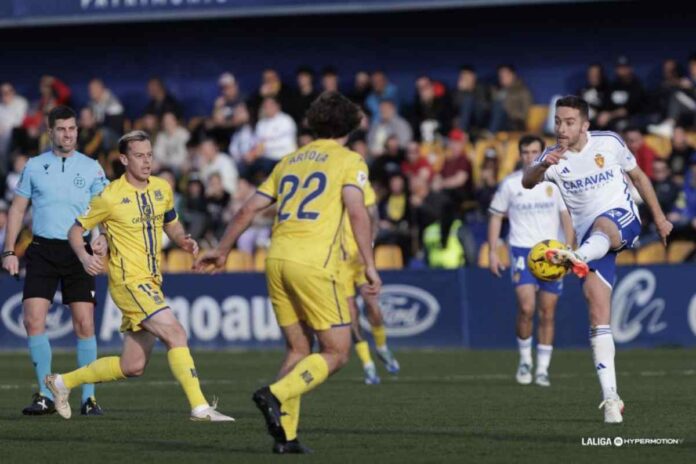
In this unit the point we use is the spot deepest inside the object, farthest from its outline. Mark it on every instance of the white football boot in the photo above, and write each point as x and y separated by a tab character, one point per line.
210	414
54	382
542	379
524	374
613	410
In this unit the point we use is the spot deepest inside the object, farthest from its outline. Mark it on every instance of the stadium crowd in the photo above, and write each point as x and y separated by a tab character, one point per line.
436	154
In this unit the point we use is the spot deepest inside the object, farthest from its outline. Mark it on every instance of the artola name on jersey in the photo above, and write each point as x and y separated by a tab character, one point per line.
590	182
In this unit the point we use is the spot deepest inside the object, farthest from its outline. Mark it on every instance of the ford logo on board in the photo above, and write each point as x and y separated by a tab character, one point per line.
407	310
58	320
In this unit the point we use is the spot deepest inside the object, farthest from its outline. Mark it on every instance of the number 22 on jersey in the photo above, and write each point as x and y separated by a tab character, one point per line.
306	190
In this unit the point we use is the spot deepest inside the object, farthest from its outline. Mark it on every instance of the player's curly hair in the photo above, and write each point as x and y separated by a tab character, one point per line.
573	101
332	116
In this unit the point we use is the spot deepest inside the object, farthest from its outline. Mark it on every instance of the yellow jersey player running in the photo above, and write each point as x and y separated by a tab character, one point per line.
313	187
353	274
134	211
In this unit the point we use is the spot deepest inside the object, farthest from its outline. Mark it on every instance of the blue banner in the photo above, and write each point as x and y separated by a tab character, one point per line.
43	12
651	306
233	310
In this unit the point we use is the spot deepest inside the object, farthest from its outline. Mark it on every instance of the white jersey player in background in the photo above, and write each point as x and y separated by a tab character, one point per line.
589	168
534	215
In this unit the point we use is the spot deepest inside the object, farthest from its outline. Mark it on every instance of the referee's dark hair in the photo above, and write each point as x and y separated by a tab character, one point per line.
60	112
132	136
332	116
527	140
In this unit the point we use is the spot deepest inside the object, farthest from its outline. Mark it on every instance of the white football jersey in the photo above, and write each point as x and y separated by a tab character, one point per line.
592	181
534	214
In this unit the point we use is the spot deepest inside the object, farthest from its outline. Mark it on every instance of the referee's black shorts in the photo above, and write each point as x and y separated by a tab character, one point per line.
51	261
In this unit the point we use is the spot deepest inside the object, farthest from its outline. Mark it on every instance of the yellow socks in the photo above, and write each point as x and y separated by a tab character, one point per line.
380	335
363	351
102	370
291	417
183	369
306	375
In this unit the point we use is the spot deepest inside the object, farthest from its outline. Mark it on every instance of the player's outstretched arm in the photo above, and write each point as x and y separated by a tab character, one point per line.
495	223
240	222
360	222
647	193
176	233
93	264
14	224
535	173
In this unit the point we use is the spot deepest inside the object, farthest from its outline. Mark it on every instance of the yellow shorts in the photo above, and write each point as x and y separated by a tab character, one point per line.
353	275
306	293
137	301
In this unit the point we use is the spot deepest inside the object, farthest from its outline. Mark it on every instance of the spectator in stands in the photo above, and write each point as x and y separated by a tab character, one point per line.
488	181
160	100
388	124
218	207
643	153
415	164
107	109
472	100
681	107
672	74
454	180
53	92
626	101
242	142
90	139
305	93
170	177
329	79
271	87
426	206
431	109
387	164
680	154
13	109
395	216
361	88
258	235
382	90
665	189
212	161
684	214
595	91
276	135
194	212
170	149
220	125
12	179
511	102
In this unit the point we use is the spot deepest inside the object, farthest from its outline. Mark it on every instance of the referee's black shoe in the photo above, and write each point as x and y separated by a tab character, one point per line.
269	406
91	408
40	406
291	447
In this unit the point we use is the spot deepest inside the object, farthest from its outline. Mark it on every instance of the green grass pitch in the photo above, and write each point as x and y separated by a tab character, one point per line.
446	406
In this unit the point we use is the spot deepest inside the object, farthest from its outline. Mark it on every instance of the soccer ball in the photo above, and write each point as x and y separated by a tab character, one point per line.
540	267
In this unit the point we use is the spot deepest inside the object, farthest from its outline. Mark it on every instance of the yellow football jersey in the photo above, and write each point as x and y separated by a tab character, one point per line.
308	186
133	220
348	244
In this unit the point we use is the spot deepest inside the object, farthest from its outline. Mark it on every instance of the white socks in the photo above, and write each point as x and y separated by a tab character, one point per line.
525	346
603	354
543	358
596	246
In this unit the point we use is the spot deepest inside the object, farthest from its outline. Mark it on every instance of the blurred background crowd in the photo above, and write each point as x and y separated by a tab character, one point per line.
436	152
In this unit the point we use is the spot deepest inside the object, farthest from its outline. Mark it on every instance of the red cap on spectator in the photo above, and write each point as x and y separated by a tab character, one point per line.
457	134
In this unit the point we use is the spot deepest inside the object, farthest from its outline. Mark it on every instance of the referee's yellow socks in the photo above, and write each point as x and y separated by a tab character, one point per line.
102	370
291	417
307	374
379	333
183	369
363	351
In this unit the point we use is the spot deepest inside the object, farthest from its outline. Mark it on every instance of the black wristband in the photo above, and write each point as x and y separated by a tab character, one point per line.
5	254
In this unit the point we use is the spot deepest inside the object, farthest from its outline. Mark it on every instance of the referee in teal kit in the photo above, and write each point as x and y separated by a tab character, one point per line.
59	184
